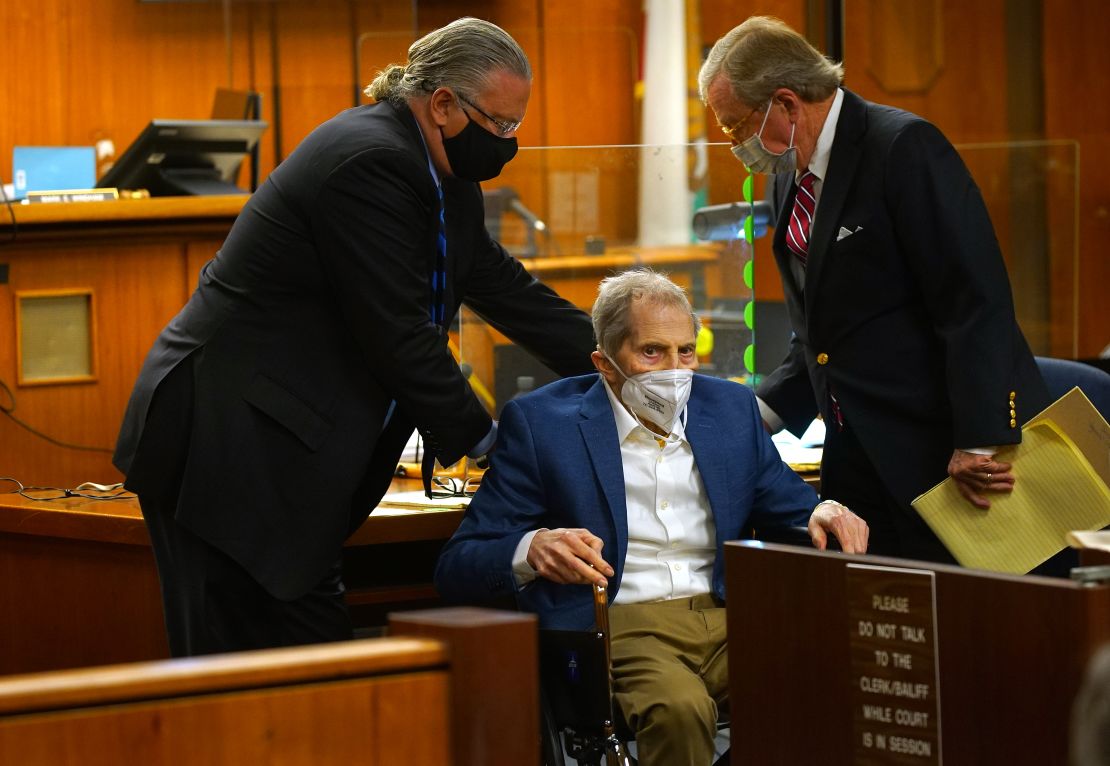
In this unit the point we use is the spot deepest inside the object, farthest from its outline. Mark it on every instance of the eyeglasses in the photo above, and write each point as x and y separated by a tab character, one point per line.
503	128
446	486
730	131
86	491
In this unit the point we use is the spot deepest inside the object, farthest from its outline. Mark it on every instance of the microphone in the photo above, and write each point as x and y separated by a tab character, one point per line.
529	217
723	222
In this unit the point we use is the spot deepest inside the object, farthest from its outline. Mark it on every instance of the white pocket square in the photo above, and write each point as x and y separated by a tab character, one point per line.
846	232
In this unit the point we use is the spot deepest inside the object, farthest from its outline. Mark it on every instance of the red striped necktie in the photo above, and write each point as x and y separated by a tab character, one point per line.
801	218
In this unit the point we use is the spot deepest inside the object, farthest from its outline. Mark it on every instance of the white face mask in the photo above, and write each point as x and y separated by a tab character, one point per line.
658	396
759	159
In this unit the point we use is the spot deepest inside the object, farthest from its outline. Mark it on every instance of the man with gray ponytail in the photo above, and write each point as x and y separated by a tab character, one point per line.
268	418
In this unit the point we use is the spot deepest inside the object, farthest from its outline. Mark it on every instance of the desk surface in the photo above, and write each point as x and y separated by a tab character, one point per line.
157	208
123	221
623	257
121	522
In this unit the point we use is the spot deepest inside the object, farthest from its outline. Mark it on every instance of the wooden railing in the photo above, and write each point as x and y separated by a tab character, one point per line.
376	702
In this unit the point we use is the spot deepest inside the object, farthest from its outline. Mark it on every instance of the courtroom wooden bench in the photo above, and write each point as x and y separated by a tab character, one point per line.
374	702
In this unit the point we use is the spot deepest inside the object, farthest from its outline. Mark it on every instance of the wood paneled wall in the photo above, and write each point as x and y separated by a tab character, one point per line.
81	71
102	70
140	281
964	66
1076	58
77	72
948	62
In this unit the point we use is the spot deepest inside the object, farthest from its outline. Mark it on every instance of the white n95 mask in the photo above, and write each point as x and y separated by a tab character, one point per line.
657	395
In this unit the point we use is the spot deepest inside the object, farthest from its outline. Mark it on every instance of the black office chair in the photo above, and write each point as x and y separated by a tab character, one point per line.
1062	375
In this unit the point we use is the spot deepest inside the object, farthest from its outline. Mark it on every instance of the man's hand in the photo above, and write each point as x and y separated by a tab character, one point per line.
569	557
976	475
844	525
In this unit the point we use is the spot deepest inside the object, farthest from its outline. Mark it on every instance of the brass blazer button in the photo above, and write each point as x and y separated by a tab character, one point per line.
1013	413
1013	423
1013	394
822	358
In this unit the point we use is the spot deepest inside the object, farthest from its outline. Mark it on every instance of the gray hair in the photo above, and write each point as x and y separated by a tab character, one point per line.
762	55
612	312
461	55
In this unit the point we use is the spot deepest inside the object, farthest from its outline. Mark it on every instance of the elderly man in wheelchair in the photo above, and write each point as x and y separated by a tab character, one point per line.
633	479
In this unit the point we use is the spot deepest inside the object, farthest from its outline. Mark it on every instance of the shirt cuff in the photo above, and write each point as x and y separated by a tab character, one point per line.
988	451
770	417
486	444
522	570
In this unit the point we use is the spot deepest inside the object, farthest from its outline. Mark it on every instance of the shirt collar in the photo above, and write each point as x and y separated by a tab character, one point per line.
819	162
427	154
626	423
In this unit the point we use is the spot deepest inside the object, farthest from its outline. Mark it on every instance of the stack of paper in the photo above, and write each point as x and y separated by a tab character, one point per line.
417	500
1098	541
802	454
1062	472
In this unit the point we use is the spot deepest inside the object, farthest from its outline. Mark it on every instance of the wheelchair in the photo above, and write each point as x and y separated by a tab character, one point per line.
576	696
576	684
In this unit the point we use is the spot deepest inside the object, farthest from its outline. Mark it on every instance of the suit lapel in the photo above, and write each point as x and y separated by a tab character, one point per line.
709	454
599	432
843	162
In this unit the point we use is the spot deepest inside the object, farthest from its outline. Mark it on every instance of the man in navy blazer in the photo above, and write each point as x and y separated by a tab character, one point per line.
269	416
905	338
635	478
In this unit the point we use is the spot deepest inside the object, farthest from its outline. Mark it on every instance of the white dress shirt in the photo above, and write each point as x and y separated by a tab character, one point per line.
672	541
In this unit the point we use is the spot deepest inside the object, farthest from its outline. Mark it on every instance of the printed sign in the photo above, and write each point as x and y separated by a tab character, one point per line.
895	678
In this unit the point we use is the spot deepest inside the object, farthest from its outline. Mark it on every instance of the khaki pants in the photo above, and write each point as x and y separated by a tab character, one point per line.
670	669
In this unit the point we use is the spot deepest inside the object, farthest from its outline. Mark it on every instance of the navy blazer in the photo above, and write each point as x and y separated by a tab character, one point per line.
558	464
906	313
310	325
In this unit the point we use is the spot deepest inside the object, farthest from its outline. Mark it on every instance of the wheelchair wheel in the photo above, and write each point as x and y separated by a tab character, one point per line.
551	744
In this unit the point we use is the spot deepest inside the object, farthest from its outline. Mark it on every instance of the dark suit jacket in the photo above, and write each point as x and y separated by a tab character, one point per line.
558	464
913	309
310	321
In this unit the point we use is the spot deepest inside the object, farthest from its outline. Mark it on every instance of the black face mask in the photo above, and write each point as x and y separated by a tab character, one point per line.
476	154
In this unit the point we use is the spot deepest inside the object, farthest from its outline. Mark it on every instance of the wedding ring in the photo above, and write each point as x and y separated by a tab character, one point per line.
989	478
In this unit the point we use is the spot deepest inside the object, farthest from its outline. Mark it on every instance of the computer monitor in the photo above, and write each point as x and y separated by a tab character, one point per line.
185	157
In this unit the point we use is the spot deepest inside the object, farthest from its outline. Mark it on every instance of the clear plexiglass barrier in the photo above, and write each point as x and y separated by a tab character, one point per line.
574	215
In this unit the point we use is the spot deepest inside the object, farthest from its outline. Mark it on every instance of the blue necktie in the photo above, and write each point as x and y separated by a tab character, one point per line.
438	309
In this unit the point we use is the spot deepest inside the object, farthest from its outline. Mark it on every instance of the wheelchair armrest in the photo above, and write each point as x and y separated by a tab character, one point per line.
795	535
